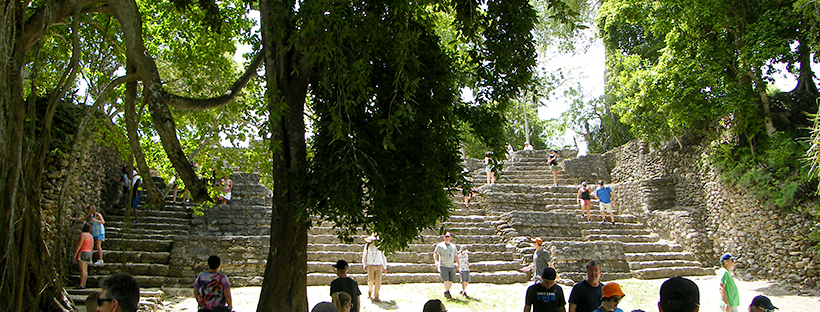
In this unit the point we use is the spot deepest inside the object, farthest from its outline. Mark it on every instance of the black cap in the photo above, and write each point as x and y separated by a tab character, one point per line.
341	264
679	294
763	301
549	274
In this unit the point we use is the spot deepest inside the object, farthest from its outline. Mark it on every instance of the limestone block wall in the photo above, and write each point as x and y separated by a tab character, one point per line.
247	213
243	257
677	194
590	168
544	224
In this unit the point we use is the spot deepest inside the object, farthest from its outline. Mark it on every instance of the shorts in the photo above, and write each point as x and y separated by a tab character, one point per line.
448	274
465	276
136	201
100	237
553	168
606	207
586	202
85	256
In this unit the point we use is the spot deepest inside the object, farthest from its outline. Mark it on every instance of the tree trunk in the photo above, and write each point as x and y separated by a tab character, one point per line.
285	278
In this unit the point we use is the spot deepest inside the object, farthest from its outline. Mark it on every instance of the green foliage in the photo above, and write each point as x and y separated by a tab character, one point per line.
773	172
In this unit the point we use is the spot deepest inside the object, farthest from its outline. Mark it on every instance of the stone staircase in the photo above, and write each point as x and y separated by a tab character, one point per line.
627	248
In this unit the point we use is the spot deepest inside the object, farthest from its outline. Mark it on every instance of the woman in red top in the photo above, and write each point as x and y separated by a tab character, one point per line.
83	253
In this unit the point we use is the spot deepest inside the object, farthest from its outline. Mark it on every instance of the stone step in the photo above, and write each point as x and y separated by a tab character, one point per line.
131	268
501	277
596	224
661	246
152	219
608	229
176	213
149	245
131	257
147	281
137	233
640	265
400	267
659	256
149	226
412	248
659	273
453	227
425	239
410	257
624	238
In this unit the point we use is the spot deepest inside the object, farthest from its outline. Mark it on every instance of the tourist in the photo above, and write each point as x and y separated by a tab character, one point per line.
374	264
342	301
97	230
125	181
489	166
584	200
545	296
227	185
510	151
446	259
469	192
679	294
212	289
527	146
553	162
604	196
82	253
761	304
541	259
586	295
324	306
464	269
345	284
730	298
434	305
120	293
612	295
136	183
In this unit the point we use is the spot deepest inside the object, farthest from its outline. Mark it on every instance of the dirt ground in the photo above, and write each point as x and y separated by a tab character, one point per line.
640	294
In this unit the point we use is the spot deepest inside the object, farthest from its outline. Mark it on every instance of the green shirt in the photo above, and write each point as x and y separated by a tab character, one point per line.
731	289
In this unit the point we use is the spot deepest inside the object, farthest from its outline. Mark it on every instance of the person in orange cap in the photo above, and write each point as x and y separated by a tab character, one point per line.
609	301
541	260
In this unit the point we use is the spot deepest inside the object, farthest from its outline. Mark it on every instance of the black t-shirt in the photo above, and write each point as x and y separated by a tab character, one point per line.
585	297
545	300
348	285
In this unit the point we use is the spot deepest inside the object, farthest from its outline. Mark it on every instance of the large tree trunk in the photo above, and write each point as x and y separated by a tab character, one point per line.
285	278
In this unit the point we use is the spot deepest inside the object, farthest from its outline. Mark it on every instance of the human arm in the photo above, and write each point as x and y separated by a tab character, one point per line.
527	307
572	307
578	196
384	262
562	309
528	268
79	245
724	297
364	258
98	218
436	258
228	298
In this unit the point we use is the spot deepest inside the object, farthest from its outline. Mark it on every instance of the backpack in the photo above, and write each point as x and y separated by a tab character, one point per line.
211	294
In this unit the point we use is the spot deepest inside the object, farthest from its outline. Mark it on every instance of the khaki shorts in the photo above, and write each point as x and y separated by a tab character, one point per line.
607	207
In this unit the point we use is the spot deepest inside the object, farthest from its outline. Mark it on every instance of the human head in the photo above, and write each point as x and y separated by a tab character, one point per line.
601	182
341	266
87	227
584	184
727	261
554	152
612	294
593	272
324	306
548	277
120	293
341	300
214	262
679	294
447	237
761	304
434	305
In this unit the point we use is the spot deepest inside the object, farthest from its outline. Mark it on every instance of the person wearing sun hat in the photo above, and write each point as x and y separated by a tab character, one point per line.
761	304
679	294
612	295
374	263
730	299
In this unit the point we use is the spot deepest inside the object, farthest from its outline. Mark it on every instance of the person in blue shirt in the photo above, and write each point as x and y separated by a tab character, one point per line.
606	201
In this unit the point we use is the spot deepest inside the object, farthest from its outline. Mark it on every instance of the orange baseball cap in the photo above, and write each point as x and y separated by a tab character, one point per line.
612	289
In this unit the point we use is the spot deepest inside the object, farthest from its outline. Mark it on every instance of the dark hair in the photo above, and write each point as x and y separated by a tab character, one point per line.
433	305
125	289
214	262
87	227
592	263
340	298
554	151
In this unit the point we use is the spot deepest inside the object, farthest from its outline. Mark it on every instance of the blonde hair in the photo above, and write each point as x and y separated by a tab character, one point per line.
341	298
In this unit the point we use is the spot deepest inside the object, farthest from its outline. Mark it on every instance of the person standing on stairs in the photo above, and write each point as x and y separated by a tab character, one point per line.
446	258
374	264
584	200
553	162
541	259
606	201
346	284
97	229
489	166
82	254
136	184
227	186
586	295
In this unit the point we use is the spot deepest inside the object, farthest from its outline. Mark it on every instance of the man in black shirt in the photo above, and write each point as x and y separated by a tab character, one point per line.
545	296
586	295
345	284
